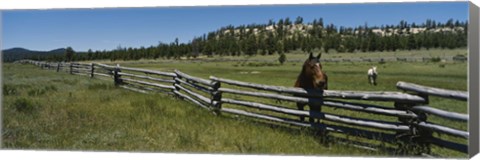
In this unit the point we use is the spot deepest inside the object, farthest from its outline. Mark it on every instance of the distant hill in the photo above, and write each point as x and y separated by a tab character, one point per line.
59	51
13	54
16	50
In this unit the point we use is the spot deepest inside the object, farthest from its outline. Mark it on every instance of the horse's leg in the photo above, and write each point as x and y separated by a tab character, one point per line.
311	119
301	106
315	109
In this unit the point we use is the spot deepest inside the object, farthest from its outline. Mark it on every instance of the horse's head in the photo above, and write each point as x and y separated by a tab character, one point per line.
312	69
312	65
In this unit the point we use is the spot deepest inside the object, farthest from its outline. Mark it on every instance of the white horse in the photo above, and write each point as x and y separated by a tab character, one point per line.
372	75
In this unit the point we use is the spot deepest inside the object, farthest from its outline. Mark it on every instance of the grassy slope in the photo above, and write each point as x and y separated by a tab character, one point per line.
65	112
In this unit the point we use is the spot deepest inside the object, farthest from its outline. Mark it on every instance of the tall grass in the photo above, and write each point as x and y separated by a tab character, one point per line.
80	113
345	76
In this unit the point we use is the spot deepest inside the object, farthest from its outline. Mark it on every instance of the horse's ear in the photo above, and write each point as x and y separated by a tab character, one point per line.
319	55
311	56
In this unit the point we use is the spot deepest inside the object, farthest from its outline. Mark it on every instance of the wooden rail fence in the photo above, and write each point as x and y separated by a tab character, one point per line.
404	114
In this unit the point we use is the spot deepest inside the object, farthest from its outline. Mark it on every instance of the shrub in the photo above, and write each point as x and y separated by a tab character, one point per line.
24	105
9	90
282	58
436	59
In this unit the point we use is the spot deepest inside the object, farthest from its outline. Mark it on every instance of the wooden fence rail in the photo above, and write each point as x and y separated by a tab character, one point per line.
331	103
148	71
319	115
460	95
409	109
441	113
361	95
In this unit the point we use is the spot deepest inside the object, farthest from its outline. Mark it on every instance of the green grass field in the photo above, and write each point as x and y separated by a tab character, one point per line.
57	111
48	110
300	55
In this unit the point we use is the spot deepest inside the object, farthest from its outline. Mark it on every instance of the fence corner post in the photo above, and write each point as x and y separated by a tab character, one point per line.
216	101
176	83
116	76
411	140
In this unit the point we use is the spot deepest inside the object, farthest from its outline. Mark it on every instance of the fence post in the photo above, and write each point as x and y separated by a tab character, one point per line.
58	66
403	137
421	136
93	70
414	141
116	76
71	67
176	78
216	101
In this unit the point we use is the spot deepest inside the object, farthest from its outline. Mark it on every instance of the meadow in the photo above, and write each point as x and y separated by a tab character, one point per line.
46	110
58	111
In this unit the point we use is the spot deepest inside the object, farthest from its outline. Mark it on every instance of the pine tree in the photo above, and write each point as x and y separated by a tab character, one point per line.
69	54
89	54
299	20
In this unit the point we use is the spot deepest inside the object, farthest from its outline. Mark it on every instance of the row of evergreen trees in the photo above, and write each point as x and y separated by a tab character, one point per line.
286	35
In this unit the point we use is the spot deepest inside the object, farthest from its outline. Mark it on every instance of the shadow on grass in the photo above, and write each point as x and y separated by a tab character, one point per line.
382	143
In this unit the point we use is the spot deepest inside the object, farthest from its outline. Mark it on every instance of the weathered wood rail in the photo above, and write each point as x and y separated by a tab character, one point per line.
460	95
425	91
388	117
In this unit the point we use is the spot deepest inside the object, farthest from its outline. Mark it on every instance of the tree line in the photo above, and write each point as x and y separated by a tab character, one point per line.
285	35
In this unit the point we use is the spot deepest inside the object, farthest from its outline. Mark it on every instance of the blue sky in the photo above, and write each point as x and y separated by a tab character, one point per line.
99	29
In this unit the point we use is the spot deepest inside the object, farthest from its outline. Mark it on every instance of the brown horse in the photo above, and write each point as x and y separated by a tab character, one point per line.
311	77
